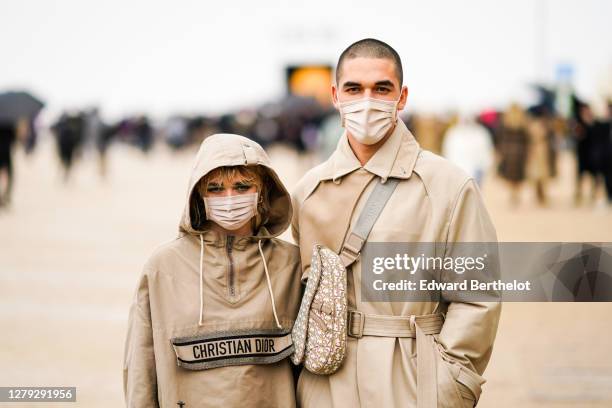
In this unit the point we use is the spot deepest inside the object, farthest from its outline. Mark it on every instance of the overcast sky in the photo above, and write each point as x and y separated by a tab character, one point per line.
163	57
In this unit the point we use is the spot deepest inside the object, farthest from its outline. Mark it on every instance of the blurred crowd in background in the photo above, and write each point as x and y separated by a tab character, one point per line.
520	143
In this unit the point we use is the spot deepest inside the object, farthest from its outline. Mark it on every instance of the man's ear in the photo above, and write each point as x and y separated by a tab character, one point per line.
403	98
334	92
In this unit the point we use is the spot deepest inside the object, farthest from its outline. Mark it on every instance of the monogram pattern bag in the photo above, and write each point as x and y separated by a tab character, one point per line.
319	332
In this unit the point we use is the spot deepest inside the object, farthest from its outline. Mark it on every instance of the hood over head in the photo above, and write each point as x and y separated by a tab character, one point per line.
224	149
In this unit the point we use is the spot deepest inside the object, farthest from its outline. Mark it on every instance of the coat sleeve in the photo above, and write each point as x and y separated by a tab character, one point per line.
295	218
470	327
295	234
139	373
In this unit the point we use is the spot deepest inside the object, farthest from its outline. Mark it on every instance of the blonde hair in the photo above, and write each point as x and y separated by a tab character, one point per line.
514	117
251	174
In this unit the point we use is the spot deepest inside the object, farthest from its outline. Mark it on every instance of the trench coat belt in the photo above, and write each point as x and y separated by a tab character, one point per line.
419	327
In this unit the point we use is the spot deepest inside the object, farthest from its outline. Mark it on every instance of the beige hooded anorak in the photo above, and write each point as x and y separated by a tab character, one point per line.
434	202
235	290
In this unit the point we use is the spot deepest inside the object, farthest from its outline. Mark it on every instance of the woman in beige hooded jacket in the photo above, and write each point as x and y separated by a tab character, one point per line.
211	318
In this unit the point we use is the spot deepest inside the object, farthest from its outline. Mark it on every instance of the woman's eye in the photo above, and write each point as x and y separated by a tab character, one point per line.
242	187
214	189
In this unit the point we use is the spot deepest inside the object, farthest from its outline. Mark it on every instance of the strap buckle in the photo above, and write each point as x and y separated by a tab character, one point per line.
351	250
360	324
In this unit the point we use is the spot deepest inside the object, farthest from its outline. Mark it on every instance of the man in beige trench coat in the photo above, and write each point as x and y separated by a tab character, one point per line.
434	202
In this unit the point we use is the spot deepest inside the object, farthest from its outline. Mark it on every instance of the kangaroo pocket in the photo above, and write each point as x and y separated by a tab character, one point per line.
458	386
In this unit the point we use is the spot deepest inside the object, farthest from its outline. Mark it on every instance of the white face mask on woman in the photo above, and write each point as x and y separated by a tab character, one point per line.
231	212
368	119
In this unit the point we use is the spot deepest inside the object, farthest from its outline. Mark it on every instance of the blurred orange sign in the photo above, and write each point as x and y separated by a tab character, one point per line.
311	81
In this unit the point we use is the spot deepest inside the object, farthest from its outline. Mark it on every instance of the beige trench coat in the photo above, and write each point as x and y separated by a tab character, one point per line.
236	300
435	201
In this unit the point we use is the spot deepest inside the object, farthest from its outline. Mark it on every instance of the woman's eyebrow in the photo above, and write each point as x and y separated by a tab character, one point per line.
243	183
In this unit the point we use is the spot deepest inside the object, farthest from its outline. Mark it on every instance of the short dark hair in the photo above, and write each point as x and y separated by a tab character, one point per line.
371	48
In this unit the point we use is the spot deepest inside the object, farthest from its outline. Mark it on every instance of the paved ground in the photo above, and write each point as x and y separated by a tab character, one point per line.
70	256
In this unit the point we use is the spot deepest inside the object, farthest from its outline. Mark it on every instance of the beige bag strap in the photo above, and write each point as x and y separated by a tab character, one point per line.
373	207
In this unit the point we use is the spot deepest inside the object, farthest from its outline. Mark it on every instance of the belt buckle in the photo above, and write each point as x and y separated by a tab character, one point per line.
350	332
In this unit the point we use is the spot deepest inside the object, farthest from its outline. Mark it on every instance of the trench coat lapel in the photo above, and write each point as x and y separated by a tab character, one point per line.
334	218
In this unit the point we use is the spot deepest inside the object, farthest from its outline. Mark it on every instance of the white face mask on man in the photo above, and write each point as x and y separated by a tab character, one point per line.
368	119
231	212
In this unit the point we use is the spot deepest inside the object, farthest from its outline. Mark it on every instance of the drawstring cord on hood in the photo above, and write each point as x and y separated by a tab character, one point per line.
221	150
269	284
201	281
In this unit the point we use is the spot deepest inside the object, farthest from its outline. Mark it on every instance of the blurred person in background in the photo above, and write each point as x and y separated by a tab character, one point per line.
199	128
606	136
588	150
98	135
104	138
512	145
541	152
265	129
210	323
489	118
144	133
8	136
429	131
331	129
69	135
468	144
176	134
31	136
92	126
18	112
